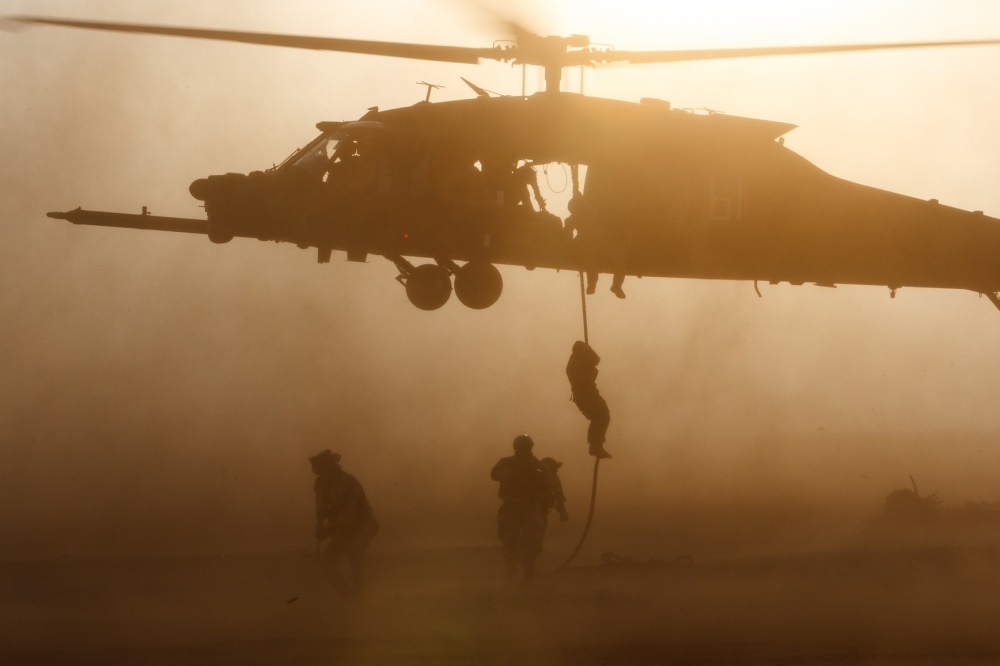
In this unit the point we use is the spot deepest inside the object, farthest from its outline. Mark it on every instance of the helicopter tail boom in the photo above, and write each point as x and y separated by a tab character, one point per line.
130	221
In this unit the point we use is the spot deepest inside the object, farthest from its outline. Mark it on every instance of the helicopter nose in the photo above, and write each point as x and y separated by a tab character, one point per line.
199	189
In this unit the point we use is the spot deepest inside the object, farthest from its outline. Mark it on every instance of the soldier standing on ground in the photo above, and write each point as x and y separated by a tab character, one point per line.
526	488
344	516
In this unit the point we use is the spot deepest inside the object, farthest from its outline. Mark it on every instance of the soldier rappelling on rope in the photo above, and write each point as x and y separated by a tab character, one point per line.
582	373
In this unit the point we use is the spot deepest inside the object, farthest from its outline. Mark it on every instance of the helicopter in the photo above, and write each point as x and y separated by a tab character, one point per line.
657	191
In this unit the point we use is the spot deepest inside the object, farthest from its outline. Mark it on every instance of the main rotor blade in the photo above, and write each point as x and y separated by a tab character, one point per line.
507	19
456	54
648	57
469	55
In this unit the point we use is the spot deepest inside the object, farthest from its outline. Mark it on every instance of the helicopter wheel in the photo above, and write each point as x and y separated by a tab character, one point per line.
428	286
478	284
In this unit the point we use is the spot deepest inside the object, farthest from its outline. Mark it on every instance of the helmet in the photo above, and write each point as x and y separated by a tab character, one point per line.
523	443
325	457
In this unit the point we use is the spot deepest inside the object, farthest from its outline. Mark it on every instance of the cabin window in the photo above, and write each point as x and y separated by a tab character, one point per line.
725	199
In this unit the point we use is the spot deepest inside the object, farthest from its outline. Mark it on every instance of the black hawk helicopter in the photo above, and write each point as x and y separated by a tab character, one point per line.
666	193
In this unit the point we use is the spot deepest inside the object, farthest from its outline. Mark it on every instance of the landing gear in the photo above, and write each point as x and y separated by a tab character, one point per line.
428	286
478	284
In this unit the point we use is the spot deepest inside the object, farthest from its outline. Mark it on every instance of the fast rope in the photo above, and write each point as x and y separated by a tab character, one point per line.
597	459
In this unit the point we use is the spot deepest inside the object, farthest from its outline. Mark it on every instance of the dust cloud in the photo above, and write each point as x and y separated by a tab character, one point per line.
161	395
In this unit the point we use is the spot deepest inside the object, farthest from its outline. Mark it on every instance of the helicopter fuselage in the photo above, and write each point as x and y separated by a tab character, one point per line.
661	192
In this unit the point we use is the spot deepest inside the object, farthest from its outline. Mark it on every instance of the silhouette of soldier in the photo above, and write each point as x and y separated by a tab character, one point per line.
582	373
344	516
353	165
527	488
557	500
590	236
525	181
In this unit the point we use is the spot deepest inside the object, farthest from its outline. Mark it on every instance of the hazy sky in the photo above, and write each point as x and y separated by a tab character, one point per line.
152	381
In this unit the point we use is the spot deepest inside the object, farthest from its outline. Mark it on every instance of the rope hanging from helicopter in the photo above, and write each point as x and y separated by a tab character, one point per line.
597	459
574	170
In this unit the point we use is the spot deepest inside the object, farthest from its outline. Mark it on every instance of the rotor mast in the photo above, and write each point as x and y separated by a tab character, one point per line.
552	54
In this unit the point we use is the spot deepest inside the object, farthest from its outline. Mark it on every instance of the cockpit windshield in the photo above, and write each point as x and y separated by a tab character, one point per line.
316	157
334	146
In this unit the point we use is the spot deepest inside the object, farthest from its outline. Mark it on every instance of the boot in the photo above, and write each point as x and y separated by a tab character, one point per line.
598	451
616	285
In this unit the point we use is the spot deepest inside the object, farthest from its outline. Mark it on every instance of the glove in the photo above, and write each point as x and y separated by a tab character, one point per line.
563	515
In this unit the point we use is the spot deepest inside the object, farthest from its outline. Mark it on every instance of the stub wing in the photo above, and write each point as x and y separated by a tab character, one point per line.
130	221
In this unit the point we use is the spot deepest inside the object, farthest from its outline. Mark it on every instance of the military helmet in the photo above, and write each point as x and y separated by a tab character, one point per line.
523	443
552	464
325	457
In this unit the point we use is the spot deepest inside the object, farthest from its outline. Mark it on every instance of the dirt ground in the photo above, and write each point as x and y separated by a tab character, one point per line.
921	604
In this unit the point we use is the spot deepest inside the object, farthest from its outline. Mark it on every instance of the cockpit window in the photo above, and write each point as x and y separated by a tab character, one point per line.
316	158
351	140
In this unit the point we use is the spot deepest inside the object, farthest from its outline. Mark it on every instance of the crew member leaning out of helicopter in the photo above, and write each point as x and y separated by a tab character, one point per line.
590	235
525	183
